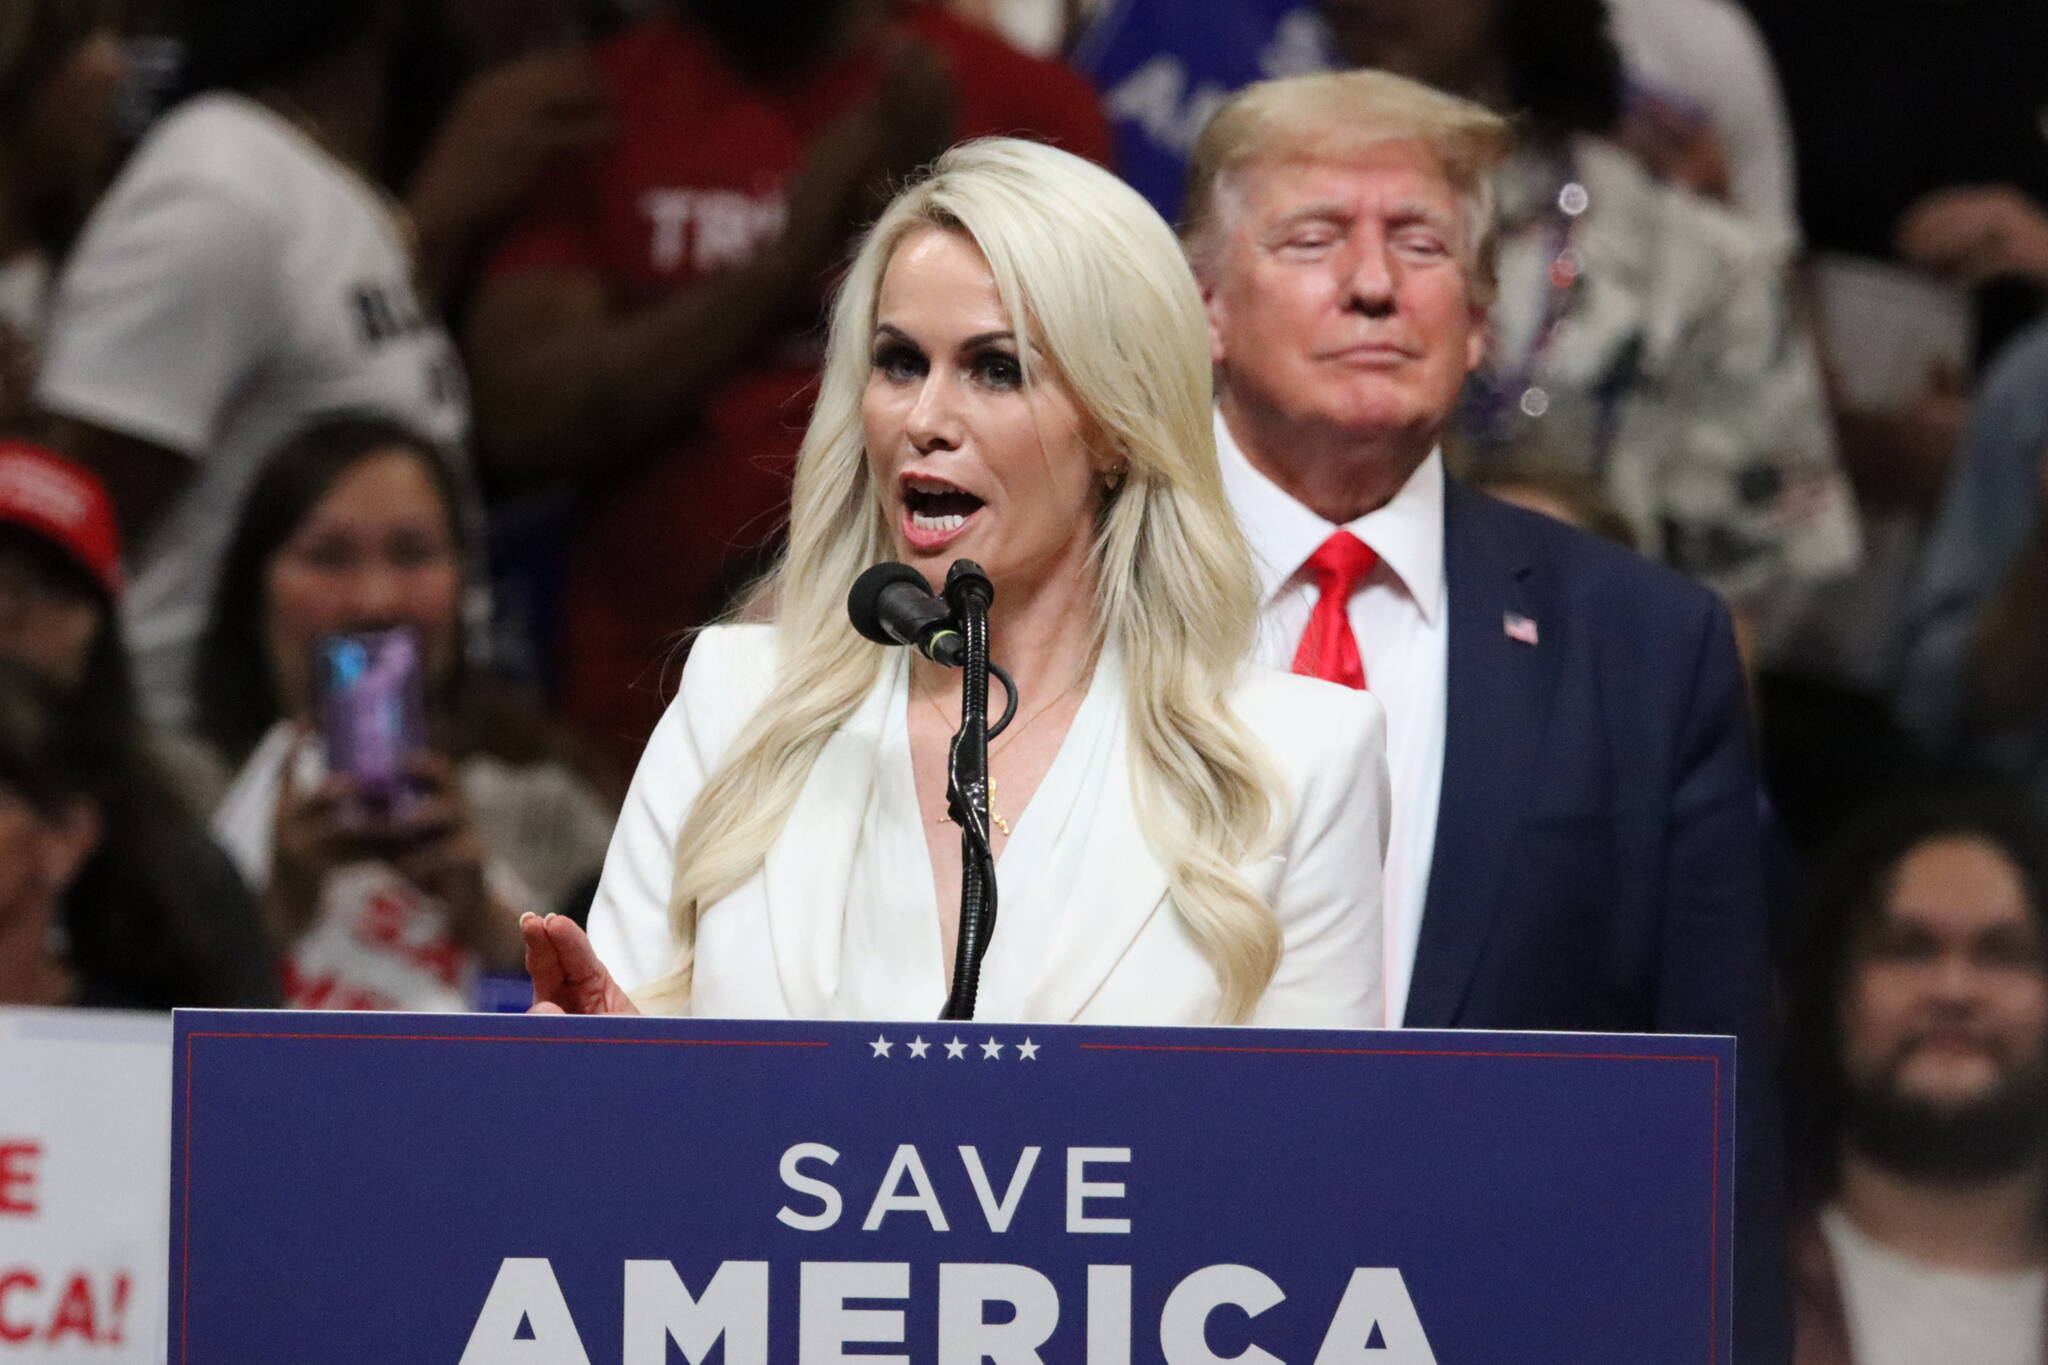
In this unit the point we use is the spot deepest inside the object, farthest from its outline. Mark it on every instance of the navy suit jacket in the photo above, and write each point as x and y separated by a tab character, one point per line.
1598	859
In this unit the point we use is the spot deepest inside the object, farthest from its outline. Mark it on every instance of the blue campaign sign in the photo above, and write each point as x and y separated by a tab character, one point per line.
482	1190
1164	66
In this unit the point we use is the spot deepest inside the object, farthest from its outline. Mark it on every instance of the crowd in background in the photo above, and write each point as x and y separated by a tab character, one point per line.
499	319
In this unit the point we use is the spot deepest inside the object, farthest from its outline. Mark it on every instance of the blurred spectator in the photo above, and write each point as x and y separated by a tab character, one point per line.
1922	175
1920	1018
353	526
1921	168
1918	126
157	916
1975	680
1922	178
1703	108
48	827
61	72
650	331
243	272
485	96
1639	333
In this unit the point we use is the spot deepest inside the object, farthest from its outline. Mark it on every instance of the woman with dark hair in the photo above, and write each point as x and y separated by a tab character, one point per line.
353	528
1641	336
157	917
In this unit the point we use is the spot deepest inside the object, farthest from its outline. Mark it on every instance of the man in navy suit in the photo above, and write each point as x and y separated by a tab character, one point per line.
1575	840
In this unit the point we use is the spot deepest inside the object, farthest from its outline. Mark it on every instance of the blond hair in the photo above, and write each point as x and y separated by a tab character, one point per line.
1332	115
1094	281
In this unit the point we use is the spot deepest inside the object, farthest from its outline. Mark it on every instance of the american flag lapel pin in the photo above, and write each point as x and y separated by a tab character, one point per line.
1518	627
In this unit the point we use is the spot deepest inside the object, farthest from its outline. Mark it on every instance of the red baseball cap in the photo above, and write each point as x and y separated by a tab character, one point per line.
64	504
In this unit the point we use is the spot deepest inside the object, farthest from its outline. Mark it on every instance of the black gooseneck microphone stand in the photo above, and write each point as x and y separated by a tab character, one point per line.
969	593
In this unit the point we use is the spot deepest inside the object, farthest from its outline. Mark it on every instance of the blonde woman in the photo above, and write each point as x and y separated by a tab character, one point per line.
1018	373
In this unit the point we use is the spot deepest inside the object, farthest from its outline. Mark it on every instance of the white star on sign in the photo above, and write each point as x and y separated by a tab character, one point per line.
1028	1050
881	1046
918	1046
991	1048
955	1049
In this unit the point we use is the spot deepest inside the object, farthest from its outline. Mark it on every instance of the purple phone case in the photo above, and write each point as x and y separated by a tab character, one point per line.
372	712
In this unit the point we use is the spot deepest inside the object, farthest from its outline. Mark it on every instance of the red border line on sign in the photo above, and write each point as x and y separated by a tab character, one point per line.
508	1038
1714	1232
185	1249
185	1252
1407	1052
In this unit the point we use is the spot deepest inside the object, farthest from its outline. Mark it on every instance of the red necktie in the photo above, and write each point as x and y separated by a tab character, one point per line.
1328	648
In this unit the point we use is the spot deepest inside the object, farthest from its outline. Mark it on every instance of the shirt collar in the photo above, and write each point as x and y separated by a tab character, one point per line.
1407	533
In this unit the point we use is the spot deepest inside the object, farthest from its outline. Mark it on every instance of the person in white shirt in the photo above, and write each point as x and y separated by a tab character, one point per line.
1575	842
247	271
1016	374
1700	67
1920	1012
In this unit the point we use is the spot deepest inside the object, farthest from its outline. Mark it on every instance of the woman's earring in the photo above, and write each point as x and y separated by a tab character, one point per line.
1113	479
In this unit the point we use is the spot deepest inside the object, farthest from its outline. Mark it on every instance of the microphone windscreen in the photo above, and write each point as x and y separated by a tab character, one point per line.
864	599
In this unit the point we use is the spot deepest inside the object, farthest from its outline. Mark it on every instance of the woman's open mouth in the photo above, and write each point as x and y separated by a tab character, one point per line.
934	511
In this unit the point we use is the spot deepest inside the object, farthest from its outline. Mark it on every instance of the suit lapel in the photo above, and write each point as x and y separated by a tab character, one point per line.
1498	701
1086	884
1085	890
807	870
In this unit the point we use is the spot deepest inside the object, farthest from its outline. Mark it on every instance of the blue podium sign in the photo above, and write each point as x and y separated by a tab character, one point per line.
481	1190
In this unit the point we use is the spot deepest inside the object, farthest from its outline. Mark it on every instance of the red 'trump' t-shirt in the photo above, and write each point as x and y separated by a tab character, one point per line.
691	185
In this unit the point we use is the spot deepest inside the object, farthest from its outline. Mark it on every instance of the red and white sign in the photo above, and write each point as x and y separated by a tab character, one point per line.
85	1123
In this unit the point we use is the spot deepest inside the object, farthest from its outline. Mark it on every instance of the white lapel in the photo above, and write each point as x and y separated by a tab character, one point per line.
1078	882
807	870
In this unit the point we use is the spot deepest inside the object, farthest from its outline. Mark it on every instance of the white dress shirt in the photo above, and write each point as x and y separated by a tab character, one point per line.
1401	616
842	922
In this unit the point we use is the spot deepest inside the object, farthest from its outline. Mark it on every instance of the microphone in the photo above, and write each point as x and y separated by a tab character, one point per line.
967	588
892	604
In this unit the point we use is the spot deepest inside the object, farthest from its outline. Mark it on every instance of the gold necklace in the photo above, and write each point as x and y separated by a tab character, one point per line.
1009	739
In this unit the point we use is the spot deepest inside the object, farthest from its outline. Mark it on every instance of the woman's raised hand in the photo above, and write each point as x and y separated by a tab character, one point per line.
567	977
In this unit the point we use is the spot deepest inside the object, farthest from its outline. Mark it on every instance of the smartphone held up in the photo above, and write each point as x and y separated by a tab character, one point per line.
373	717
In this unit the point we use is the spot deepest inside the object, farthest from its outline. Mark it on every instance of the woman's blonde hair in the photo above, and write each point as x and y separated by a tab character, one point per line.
1094	281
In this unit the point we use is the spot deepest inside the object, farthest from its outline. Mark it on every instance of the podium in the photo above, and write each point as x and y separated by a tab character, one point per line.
525	1190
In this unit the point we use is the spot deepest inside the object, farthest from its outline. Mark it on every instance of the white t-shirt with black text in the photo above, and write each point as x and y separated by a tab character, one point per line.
236	281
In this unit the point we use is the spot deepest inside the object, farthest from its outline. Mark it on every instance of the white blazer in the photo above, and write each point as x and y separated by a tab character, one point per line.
841	921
